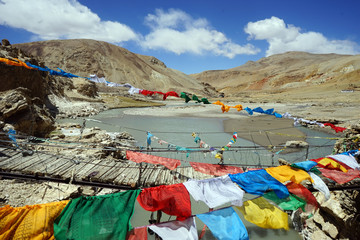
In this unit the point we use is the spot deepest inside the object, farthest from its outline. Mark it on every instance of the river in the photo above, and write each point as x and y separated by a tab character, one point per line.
178	131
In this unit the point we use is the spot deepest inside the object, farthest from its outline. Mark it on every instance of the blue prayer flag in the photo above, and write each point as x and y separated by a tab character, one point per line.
258	182
225	224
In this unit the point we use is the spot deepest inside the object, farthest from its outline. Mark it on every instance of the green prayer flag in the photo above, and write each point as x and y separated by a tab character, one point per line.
97	217
186	97
195	98
205	101
315	170
290	203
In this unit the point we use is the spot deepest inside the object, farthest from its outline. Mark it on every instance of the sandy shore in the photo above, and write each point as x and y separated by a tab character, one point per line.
262	129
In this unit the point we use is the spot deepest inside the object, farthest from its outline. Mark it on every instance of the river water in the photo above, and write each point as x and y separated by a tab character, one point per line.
177	131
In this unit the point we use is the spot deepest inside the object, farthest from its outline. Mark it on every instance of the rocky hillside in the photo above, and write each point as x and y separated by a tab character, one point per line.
297	75
116	64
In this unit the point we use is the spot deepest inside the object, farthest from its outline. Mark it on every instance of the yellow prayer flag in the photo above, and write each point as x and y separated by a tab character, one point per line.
333	164
263	214
288	173
30	222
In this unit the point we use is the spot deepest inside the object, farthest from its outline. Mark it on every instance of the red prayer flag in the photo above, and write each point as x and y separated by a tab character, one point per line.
137	234
215	169
303	193
171	199
171	93
142	157
337	129
340	177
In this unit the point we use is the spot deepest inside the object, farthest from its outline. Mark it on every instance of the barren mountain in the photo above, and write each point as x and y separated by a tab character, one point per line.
83	57
290	76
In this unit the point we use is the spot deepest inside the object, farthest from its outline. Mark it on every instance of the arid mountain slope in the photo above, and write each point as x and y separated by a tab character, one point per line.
292	75
84	57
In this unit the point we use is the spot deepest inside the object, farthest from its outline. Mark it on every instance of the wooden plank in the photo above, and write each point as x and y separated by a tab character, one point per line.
81	171
132	179
15	161
160	178
153	176
67	166
118	169
128	173
113	172
6	161
34	165
89	170
146	174
52	167
106	168
48	166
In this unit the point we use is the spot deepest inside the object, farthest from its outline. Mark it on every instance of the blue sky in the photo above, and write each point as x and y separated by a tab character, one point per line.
191	36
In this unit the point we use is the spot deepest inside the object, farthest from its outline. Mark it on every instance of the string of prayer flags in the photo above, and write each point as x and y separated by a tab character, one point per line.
215	169
141	157
185	229
151	93
287	173
15	62
171	199
232	141
263	214
215	191
106	217
291	203
269	111
61	72
224	224
258	182
30	222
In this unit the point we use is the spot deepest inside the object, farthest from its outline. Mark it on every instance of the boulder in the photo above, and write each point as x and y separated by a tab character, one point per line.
296	144
27	115
85	87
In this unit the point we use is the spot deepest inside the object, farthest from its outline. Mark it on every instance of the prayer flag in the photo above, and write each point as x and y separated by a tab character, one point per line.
30	222
340	177
258	182
263	214
215	169
287	173
184	230
291	203
225	224
303	193
306	165
142	157
171	199
215	191
100	217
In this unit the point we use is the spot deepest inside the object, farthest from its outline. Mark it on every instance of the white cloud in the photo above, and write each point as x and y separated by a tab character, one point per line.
283	38
54	19
178	32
